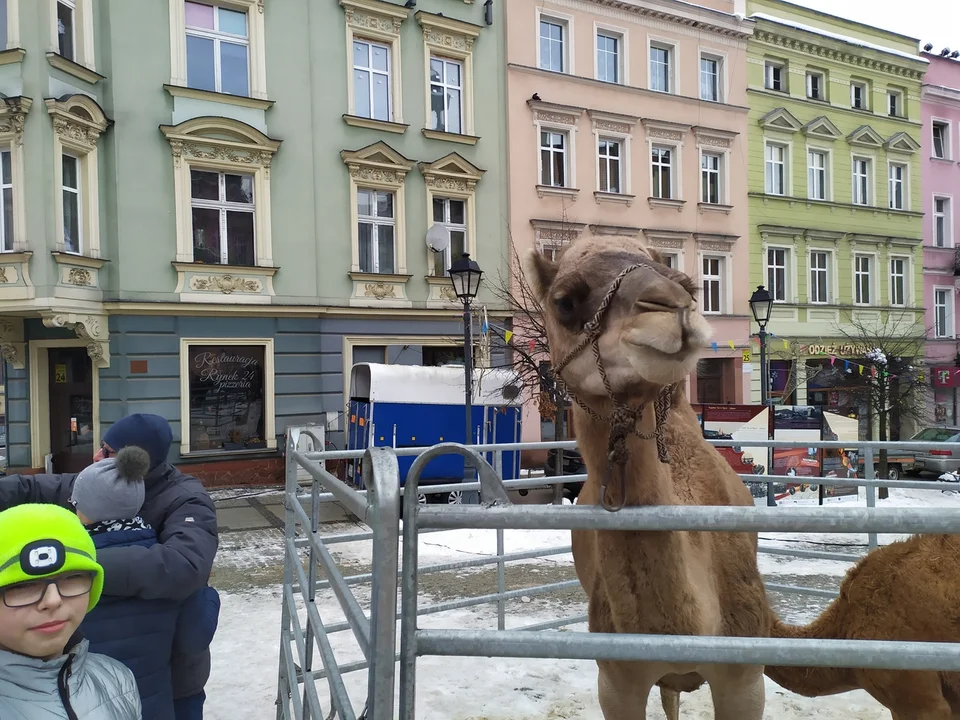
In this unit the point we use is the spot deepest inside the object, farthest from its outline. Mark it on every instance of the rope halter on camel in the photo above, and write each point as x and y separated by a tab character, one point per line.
624	419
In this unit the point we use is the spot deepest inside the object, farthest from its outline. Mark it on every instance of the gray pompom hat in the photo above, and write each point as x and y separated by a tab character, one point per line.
112	489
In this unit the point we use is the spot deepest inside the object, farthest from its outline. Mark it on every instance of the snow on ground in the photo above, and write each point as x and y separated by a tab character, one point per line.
244	681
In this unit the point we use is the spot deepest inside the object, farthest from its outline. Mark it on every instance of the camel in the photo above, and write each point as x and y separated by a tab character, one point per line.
624	331
906	591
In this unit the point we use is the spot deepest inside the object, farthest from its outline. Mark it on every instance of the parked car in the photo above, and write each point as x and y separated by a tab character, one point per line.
937	461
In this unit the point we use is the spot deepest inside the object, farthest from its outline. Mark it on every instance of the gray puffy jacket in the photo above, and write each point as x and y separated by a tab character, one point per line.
76	686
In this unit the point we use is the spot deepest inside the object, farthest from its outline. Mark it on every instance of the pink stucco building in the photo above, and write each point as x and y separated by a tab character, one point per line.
632	120
941	242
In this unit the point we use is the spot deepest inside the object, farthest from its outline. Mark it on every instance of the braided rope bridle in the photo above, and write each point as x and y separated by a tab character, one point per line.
623	418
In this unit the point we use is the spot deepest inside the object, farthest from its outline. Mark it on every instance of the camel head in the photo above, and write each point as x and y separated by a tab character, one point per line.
650	335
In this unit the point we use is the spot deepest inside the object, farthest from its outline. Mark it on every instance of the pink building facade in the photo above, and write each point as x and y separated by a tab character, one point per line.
941	229
632	120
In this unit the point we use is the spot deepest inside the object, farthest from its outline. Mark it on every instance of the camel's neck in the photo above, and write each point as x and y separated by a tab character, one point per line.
646	479
812	682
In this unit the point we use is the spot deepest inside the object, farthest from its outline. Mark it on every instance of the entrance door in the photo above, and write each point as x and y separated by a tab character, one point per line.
71	409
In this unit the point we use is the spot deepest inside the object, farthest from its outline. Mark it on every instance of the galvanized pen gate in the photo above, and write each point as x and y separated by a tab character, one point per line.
305	631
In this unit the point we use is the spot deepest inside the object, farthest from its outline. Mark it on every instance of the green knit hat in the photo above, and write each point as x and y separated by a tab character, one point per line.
40	540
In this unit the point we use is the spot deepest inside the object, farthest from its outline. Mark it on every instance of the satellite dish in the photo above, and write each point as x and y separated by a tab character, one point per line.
438	238
511	392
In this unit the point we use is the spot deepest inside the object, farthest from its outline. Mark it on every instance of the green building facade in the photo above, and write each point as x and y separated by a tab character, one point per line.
834	195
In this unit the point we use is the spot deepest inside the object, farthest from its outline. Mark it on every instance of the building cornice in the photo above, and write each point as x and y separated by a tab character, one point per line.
696	18
941	95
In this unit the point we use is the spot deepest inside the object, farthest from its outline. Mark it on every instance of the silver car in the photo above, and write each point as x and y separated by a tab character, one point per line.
938	461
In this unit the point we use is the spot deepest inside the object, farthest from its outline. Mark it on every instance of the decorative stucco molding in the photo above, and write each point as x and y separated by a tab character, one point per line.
89	327
374	15
12	345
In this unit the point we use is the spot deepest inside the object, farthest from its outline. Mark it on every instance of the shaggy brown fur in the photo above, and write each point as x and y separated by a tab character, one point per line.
906	591
669	582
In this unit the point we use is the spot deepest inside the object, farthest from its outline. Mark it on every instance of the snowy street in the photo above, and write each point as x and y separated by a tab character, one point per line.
244	680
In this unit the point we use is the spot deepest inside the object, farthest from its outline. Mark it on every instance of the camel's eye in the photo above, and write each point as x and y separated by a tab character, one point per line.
565	304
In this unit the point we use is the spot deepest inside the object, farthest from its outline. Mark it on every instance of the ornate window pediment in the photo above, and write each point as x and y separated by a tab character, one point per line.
823	128
379	164
218	139
451	172
865	136
780	119
78	120
902	142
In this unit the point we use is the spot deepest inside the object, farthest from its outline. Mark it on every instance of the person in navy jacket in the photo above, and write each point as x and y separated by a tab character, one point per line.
145	635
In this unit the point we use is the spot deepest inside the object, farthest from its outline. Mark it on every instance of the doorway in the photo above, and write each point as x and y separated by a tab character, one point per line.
70	378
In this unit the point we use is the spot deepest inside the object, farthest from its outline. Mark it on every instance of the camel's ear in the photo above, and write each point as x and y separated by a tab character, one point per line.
655	255
539	273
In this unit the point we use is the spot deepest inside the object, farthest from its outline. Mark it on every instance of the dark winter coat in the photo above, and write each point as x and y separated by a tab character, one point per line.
174	568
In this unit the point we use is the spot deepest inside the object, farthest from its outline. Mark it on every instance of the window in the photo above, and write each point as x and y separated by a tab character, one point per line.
662	163
943	313
661	70
941	140
942	223
712	284
861	181
895	103
67	29
819	277
553	158
710	178
552	45
898	176
446	95
72	238
452	214
776	174
671	260
862	279
817	175
858	95
222	211
710	78
777	273
610	174
376	231
7	242
371	80
898	281
815	86
608	57
775	76
227	395
218	44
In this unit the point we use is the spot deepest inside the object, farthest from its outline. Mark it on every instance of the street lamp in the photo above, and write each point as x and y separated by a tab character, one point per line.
761	305
465	276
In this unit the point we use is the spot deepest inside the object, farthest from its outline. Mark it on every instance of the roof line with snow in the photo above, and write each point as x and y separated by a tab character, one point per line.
842	38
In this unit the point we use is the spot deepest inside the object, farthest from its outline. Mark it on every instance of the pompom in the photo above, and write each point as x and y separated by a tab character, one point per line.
133	463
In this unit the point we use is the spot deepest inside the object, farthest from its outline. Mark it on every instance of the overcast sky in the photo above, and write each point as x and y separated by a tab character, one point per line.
935	21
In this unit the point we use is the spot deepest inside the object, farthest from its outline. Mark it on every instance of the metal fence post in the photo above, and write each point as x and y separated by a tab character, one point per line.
501	568
284	681
381	477
869	474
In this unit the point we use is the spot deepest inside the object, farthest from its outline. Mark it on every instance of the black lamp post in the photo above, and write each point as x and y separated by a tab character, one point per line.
465	275
761	305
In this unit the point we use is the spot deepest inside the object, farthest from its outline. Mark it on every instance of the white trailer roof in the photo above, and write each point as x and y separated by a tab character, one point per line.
421	385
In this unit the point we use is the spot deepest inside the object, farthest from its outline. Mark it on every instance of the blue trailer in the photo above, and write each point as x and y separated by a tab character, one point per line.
416	406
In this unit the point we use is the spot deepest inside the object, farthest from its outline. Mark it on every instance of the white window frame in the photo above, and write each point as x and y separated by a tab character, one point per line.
720	172
567	157
11	140
947	138
673	256
827	184
949	312
219	36
446	85
222	206
190	142
269	389
721	60
386	31
769	164
451	40
907	285
83	47
566	22
437	177
673	167
13	26
904	183
871	279
623	62
865	94
898	96
376	222
256	55
948	221
829	271
621	164
870	199
788	271
673	70
768	75
724	260
451	226
65	190
822	77
372	74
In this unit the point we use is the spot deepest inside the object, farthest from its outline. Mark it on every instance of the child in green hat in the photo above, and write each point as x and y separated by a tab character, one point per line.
49	580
